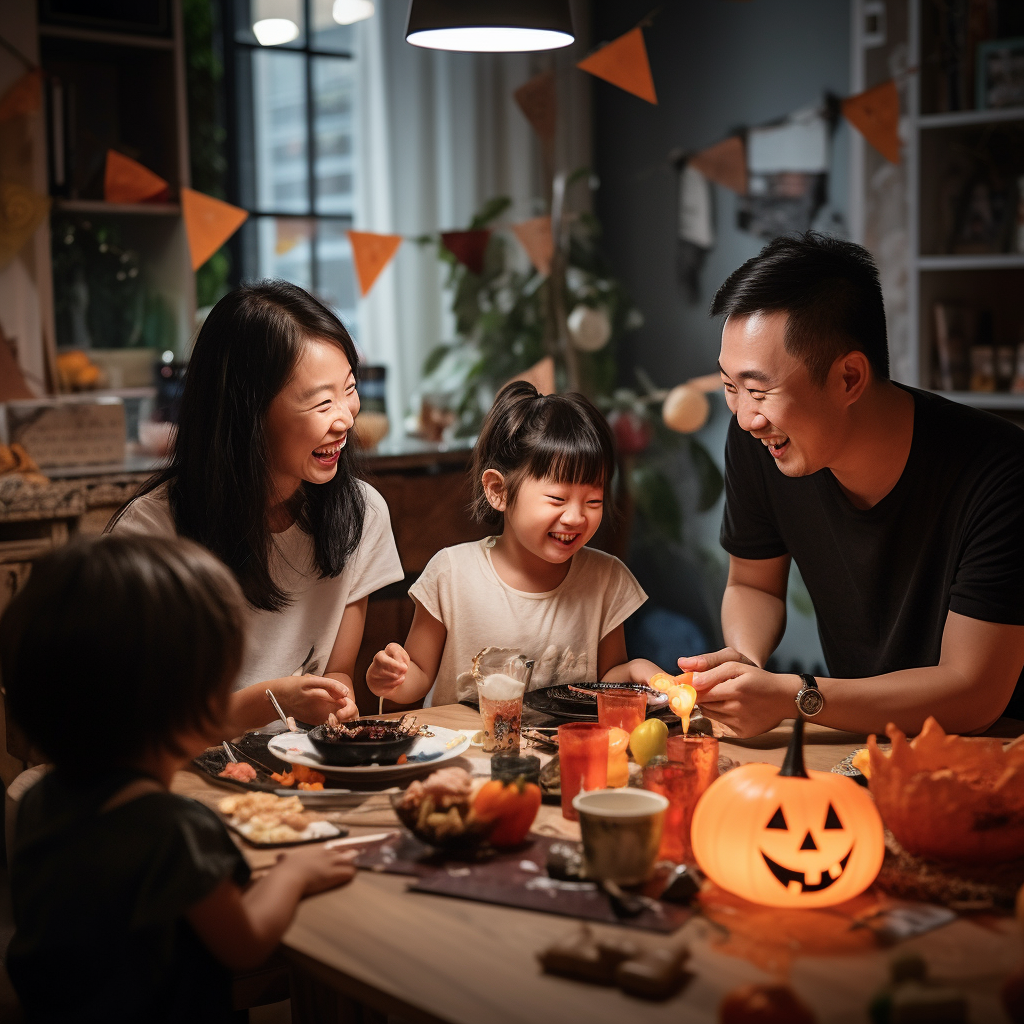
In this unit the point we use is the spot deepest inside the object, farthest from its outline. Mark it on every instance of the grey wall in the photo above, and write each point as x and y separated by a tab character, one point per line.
717	65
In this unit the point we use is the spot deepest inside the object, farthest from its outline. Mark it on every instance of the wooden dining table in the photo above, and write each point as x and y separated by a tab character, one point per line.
372	950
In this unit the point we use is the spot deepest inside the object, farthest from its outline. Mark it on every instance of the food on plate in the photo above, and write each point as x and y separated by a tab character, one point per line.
439	809
648	740
301	777
265	818
764	1004
954	798
513	806
240	771
368	729
861	760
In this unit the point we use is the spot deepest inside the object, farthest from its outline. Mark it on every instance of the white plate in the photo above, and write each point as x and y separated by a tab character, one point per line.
297	748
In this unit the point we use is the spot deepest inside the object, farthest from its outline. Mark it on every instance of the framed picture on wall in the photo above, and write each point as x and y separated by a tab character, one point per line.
1000	70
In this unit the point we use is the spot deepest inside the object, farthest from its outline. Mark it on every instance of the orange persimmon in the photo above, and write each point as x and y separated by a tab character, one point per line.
513	806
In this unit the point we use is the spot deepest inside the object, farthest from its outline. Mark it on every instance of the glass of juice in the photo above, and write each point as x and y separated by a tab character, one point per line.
501	708
621	709
692	767
583	759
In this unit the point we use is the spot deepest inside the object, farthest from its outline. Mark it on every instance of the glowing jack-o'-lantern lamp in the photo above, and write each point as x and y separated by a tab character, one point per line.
788	837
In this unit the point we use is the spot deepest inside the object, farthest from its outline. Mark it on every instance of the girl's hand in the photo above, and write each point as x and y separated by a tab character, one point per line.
312	698
388	670
319	868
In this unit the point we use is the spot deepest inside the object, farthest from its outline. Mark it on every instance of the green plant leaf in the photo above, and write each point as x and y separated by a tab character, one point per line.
709	475
656	500
491	210
433	360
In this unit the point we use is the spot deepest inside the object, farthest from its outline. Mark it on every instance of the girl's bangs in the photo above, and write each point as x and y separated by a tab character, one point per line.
576	459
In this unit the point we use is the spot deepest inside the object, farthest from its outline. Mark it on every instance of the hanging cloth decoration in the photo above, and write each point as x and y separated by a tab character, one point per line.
468	247
21	212
24	97
538	101
127	181
724	163
209	223
624	63
371	253
535	237
876	115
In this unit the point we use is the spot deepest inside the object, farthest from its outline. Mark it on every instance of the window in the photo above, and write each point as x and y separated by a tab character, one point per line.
294	135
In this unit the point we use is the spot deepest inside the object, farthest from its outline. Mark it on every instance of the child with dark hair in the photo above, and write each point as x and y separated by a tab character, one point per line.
129	901
542	471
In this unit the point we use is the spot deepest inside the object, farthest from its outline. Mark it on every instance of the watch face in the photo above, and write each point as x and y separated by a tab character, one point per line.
810	702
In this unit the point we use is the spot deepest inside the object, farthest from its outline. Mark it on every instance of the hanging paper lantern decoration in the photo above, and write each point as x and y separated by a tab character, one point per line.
788	837
589	329
685	409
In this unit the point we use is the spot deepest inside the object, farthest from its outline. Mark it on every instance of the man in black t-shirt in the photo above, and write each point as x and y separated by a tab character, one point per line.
903	511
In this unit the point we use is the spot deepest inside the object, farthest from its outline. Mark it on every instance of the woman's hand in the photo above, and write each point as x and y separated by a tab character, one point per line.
388	670
312	698
319	868
744	698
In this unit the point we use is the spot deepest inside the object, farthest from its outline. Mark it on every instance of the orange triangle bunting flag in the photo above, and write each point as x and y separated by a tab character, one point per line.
371	253
209	223
876	115
535	237
468	247
24	97
624	63
724	163
538	101
127	181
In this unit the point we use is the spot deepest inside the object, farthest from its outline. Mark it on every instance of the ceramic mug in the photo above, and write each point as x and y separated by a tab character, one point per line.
621	831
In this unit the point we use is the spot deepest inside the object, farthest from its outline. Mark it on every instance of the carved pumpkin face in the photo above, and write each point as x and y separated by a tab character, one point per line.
788	840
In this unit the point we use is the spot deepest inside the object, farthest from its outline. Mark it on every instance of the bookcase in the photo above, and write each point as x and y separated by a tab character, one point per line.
947	225
120	275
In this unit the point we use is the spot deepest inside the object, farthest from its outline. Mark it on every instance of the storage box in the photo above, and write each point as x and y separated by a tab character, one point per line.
66	431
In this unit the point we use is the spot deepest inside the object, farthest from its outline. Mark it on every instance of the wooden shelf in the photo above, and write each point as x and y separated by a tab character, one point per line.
89	35
969	118
985	399
987	261
99	206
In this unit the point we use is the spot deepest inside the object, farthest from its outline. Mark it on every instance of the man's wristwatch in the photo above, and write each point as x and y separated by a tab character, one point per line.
809	700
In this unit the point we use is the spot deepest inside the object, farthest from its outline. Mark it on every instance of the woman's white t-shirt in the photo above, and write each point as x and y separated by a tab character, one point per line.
560	629
277	643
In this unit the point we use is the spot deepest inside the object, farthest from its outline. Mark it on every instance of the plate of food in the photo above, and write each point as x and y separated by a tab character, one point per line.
429	745
265	820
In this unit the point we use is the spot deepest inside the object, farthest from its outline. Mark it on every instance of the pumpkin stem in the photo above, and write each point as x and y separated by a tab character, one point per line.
794	763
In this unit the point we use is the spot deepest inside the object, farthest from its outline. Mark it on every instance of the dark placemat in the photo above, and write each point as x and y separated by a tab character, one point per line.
514	878
562	703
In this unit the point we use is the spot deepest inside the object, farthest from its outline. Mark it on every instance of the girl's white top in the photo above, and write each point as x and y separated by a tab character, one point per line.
276	643
560	629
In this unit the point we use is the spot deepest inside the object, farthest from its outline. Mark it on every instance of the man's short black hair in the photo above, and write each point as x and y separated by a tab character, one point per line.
829	288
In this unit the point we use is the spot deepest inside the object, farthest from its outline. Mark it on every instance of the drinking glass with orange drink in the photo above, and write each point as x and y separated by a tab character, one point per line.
583	760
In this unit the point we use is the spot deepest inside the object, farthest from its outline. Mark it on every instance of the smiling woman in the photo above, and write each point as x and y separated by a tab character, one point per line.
261	476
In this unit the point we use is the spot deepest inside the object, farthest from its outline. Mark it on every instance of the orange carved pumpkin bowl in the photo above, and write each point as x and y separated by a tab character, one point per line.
951	798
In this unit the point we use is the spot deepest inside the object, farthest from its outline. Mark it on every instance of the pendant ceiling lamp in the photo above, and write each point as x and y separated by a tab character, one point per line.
494	26
275	21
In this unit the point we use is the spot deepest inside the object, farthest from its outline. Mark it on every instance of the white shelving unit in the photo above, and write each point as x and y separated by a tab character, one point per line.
902	233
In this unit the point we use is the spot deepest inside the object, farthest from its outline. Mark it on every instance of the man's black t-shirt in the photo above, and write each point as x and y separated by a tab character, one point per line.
100	898
948	537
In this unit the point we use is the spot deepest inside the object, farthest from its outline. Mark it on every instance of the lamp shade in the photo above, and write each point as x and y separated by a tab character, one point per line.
493	27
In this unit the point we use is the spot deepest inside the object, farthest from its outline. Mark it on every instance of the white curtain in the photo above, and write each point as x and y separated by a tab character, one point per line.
439	134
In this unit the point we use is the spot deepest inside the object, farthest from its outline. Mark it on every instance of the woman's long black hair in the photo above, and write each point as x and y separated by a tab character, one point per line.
219	475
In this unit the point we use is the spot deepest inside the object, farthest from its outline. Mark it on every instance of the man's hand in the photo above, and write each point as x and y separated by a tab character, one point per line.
388	670
744	698
703	662
312	698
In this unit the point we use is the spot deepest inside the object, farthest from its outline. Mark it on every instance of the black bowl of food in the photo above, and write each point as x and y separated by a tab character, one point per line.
364	741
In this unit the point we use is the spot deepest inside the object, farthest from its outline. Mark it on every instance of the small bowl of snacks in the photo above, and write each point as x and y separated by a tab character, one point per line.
364	740
438	810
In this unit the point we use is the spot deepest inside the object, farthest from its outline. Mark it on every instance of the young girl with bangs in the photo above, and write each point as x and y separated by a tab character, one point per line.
542	472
